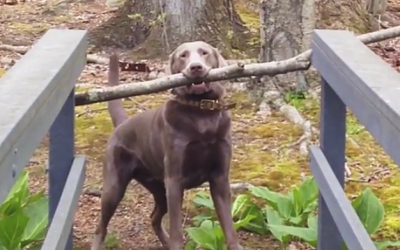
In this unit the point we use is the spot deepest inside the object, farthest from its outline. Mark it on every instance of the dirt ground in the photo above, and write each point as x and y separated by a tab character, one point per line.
261	152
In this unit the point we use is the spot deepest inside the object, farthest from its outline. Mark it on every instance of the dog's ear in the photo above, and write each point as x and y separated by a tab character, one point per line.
220	59
170	65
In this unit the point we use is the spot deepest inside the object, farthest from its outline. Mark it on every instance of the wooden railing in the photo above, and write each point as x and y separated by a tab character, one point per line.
355	77
36	97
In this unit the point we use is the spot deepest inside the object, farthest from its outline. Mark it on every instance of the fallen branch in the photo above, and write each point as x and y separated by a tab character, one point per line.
291	114
300	62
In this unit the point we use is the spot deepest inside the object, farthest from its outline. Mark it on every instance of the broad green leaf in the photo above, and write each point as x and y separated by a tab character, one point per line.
202	237
273	217
269	196
35	197
357	202
17	195
257	224
311	207
370	210
298	202
304	196
190	245
296	220
381	245
285	207
239	204
309	191
307	234
204	200
218	234
37	224
312	222
11	229
207	225
244	222
10	206
198	219
19	186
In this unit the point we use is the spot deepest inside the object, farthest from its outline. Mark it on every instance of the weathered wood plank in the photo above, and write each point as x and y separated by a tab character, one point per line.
332	141
366	84
63	219
32	93
61	156
346	219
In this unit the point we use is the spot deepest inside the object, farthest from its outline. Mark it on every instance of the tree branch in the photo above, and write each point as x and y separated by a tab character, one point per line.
300	62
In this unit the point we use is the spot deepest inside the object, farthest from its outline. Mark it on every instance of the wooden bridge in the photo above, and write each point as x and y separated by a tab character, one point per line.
37	96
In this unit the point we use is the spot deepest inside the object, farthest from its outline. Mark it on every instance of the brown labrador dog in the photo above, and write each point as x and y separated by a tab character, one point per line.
179	145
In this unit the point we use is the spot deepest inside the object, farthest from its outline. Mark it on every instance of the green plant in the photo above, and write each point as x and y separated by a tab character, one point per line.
292	208
242	209
296	98
368	208
209	234
23	217
371	213
111	241
286	216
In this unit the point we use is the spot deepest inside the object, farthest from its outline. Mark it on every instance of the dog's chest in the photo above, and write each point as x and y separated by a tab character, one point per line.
199	161
207	131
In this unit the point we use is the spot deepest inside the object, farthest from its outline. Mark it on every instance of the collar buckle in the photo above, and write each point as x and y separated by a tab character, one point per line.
208	104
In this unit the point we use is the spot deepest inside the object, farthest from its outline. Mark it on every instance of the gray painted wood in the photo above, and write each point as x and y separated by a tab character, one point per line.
61	156
340	208
58	234
366	84
32	93
332	141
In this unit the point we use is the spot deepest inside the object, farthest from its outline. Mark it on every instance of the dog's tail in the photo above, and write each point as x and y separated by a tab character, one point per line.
115	108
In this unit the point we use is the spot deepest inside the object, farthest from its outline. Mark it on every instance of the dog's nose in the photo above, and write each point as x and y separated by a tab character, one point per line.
196	67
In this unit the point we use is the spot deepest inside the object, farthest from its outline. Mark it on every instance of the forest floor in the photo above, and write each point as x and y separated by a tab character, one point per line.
260	156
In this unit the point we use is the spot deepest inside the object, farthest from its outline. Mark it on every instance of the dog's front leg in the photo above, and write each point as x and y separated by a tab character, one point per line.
174	200
221	195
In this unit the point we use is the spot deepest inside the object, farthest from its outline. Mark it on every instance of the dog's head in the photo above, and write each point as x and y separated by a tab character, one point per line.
194	60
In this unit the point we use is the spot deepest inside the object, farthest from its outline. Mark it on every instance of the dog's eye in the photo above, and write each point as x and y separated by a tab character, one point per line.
204	53
183	55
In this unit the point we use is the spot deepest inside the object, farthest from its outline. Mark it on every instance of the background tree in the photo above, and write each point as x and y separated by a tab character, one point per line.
154	28
287	27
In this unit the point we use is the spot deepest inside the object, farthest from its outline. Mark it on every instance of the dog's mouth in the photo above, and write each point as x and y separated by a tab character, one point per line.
198	87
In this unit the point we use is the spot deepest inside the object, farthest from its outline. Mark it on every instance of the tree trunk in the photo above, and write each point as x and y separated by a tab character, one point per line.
287	27
154	28
286	31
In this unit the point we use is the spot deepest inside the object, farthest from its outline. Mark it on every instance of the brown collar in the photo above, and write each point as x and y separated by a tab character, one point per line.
208	104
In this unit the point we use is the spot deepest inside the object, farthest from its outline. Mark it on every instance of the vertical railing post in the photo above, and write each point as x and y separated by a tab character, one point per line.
332	141
61	155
